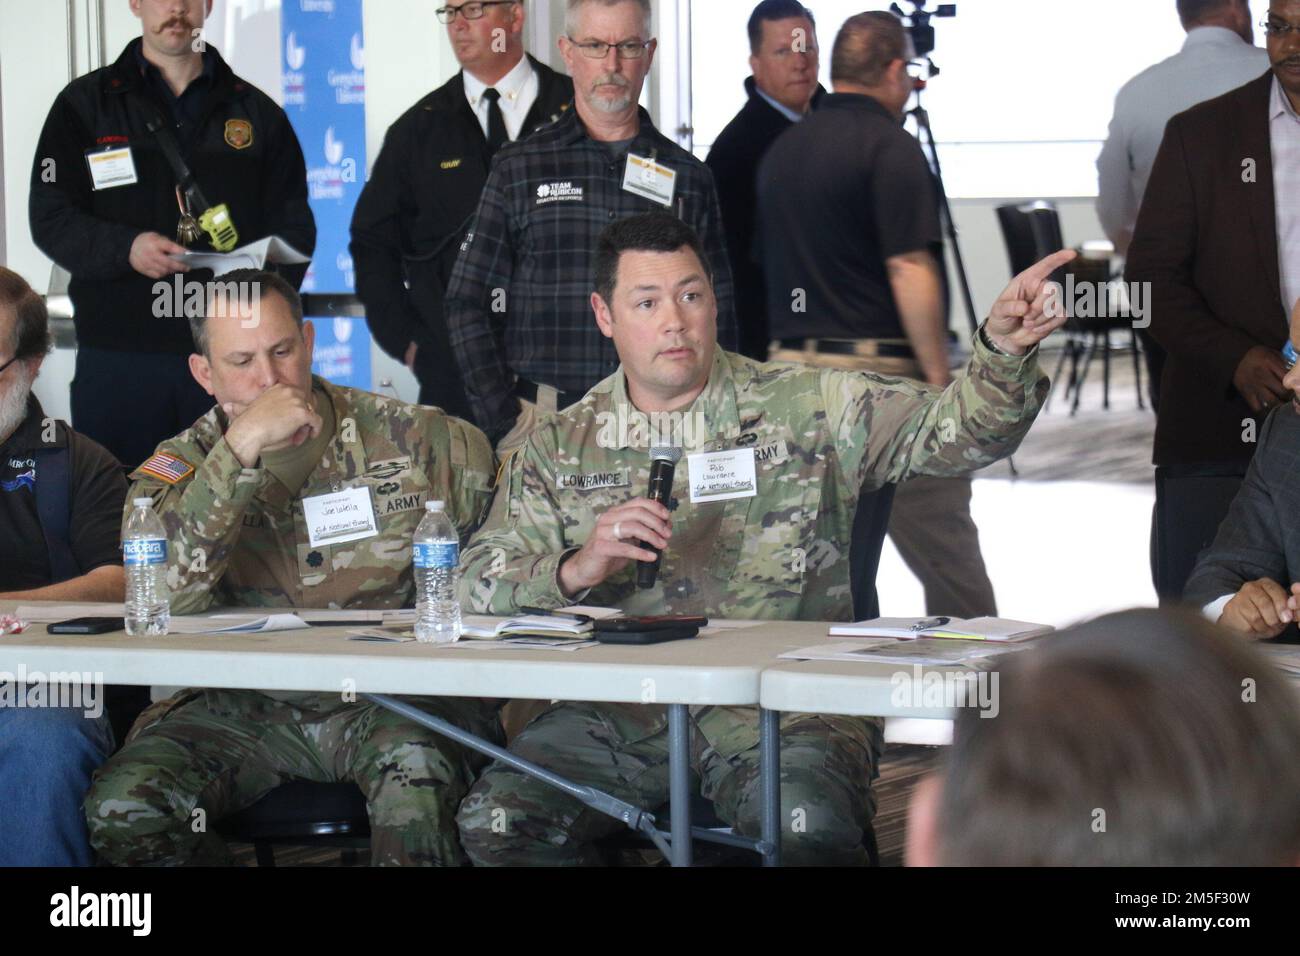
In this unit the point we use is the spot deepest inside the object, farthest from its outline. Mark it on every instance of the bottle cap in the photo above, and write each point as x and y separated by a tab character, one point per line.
142	502
434	506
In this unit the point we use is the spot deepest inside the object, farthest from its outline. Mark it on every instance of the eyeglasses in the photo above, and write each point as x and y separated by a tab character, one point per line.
470	11
598	49
788	51
919	69
8	363
1278	28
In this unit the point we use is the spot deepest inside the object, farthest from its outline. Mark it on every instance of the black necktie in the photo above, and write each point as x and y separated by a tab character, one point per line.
496	135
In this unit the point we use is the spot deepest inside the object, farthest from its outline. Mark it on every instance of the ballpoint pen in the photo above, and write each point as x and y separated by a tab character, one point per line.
930	622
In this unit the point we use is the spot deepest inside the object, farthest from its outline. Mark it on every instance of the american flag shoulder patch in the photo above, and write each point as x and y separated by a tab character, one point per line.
167	468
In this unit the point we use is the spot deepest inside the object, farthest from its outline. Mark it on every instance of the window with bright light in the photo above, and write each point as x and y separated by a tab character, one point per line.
1025	90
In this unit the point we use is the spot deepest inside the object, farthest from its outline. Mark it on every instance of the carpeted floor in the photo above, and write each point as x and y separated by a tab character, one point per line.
1092	444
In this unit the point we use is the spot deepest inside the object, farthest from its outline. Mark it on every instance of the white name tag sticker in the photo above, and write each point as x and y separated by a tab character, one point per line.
112	167
721	475
645	177
342	516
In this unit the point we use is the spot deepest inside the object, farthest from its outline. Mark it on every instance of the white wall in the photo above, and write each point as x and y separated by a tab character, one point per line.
34	66
40	47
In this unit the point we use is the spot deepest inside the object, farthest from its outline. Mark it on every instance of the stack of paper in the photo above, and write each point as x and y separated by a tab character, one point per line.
892	651
254	255
483	631
484	628
236	624
970	629
404	635
210	623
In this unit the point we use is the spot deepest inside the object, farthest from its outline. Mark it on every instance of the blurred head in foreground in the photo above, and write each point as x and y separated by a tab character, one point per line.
1143	738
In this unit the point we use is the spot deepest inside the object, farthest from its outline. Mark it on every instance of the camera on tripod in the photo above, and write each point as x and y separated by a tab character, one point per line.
920	27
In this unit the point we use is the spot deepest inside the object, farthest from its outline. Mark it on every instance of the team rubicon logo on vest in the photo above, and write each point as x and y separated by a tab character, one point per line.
239	133
558	192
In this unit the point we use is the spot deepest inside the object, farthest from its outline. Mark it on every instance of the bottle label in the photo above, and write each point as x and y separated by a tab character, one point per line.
437	556
142	552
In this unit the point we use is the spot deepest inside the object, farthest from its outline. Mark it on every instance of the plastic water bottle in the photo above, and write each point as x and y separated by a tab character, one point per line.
436	556
144	554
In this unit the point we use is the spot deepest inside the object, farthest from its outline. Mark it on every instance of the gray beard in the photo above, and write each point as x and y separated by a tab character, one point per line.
13	402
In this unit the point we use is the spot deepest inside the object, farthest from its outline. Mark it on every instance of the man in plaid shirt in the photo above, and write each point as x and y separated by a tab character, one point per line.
518	305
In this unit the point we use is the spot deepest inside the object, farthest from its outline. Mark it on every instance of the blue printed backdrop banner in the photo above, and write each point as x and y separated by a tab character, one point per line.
342	351
324	84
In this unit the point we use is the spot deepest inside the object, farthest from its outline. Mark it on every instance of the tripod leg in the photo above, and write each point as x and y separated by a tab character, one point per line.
945	211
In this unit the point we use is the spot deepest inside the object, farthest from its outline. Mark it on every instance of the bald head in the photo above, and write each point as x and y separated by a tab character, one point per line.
870	57
865	46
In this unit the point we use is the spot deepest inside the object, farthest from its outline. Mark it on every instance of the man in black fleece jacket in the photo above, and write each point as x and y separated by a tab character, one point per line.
104	206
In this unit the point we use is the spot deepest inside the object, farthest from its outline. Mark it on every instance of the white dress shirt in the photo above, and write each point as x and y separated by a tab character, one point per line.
780	107
518	90
1284	139
1213	61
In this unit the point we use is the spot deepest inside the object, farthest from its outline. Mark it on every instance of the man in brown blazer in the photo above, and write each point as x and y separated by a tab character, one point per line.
1214	218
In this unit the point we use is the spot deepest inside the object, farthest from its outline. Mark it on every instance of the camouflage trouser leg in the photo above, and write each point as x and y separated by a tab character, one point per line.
413	778
142	806
157	799
827	765
512	819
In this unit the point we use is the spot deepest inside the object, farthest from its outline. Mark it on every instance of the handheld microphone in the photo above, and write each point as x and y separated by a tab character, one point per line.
663	464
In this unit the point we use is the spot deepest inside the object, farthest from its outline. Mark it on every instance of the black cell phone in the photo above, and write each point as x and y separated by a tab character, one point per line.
646	637
652	622
87	625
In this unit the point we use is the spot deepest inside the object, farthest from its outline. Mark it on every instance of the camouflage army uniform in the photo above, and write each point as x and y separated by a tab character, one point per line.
237	537
819	435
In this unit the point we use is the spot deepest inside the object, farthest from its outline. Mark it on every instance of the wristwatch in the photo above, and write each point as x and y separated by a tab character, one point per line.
988	341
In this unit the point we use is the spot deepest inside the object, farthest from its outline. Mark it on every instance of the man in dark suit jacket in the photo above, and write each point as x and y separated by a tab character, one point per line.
1207	242
1246	581
783	89
426	183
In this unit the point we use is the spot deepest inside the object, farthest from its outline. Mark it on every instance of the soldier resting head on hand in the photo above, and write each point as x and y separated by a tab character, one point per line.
236	494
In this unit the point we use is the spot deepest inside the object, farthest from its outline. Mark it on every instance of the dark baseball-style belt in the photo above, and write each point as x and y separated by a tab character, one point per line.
863	347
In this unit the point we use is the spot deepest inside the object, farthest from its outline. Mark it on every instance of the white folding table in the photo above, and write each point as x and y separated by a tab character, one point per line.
847	688
721	669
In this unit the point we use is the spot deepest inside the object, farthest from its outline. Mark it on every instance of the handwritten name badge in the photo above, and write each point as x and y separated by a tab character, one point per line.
342	516
720	475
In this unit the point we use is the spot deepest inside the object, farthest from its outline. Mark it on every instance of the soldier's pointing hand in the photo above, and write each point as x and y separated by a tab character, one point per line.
1020	317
